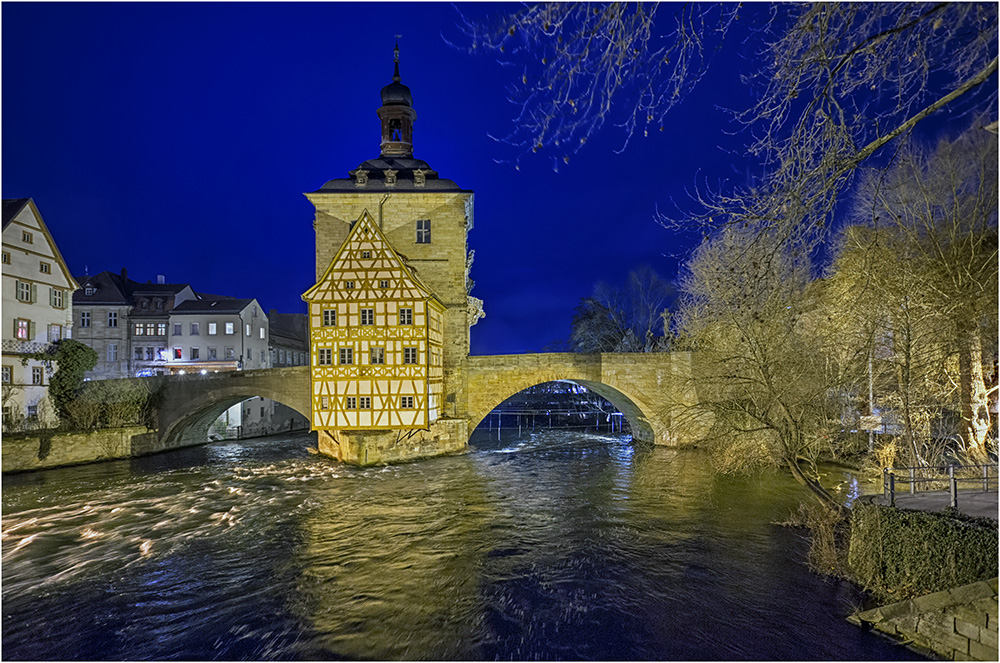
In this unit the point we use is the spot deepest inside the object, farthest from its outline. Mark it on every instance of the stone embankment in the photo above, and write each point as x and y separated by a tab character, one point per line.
957	624
48	449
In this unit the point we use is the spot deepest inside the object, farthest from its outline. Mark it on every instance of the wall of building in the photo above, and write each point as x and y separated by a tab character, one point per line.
55	449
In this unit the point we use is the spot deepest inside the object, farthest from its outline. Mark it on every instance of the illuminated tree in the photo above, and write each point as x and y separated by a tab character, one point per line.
629	319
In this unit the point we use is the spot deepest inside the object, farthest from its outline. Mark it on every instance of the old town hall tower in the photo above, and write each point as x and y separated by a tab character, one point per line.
390	313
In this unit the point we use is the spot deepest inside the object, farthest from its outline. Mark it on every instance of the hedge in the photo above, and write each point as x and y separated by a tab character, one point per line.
899	553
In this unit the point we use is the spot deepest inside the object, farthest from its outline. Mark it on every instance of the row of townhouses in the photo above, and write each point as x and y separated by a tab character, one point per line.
137	329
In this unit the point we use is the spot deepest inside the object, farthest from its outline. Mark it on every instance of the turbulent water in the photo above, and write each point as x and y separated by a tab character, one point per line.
559	546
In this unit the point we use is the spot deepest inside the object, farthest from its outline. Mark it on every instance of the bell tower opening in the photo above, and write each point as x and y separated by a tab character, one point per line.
397	116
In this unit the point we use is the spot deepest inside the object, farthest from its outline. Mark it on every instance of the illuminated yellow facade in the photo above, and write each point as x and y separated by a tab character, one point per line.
376	335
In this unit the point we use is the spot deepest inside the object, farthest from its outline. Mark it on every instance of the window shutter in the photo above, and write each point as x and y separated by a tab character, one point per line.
34	293
31	328
52	297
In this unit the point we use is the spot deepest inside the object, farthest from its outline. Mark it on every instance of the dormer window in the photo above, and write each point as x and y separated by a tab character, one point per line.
360	177
390	177
419	177
88	291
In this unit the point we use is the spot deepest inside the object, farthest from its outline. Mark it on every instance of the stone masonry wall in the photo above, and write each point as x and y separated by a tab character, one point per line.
957	624
50	449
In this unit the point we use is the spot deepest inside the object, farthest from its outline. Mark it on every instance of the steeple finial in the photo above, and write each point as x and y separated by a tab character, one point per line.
395	59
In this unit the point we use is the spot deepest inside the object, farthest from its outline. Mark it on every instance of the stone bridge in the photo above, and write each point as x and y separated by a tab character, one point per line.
653	391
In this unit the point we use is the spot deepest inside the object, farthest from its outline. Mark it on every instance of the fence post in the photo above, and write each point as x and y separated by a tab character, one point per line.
885	483
892	489
986	478
913	483
952	487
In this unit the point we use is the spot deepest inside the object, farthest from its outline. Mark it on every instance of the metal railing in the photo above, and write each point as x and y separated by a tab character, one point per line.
939	477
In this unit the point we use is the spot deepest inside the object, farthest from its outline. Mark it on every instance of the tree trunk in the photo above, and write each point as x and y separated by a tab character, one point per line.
972	392
814	487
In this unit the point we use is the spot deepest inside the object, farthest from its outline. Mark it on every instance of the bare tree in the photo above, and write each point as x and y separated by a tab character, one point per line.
834	84
745	308
941	205
629	319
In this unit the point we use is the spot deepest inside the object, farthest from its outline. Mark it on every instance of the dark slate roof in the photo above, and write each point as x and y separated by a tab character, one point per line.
156	288
11	207
110	289
226	305
404	167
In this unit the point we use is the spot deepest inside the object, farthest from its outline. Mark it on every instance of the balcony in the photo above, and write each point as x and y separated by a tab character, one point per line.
16	347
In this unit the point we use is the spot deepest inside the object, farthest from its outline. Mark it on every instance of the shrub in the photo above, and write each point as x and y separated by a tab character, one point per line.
899	553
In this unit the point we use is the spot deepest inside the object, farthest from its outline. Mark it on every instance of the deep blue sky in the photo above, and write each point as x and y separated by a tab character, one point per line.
178	139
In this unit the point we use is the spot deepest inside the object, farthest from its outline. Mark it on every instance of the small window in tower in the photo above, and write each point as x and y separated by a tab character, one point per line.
419	177
390	177
423	231
395	129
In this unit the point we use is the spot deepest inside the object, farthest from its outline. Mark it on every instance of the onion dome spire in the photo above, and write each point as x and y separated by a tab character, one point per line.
397	115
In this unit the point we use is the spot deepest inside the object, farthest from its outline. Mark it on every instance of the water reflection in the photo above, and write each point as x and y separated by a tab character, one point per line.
552	546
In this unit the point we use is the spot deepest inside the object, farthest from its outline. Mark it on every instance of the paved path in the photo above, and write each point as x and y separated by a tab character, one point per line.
972	503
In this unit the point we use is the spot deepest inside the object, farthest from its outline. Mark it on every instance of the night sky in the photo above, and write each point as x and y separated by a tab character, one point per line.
177	139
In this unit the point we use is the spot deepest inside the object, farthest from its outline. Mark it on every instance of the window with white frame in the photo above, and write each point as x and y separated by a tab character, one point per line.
55	333
406	316
212	353
230	352
352	403
112	352
329	317
195	353
27	237
364	402
324	402
22	329
56	298
324	357
178	353
248	329
138	354
150	329
139	329
409	355
194	329
377	356
212	328
423	231
84	318
230	328
383	284
406	402
161	329
7	374
262	333
368	316
112	318
349	285
37	375
178	329
44	267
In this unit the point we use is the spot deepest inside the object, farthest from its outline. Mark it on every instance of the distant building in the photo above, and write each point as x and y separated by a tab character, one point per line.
37	310
289	339
126	323
217	334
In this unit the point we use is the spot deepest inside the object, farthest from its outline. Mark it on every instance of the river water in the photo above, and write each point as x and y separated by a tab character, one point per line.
558	546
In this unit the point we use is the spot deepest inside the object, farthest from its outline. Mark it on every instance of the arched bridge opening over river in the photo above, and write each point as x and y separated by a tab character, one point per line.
653	390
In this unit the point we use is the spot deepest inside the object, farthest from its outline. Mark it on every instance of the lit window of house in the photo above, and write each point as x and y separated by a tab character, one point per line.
248	329
22	329
262	333
212	328
161	329
140	329
150	329
230	328
178	353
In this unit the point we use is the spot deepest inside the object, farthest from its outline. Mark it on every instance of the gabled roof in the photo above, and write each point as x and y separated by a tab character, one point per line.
12	207
109	288
365	225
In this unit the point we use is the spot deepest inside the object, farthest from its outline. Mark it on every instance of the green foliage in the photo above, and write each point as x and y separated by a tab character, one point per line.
73	360
113	404
899	554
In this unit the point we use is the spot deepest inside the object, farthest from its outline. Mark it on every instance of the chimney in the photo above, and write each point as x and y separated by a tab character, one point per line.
161	279
124	274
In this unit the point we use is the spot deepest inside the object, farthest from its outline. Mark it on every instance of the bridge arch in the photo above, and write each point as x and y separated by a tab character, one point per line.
193	402
492	380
